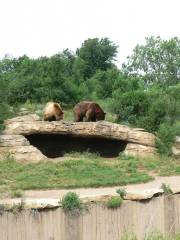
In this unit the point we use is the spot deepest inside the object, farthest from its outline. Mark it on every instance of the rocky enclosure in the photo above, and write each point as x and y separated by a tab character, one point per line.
14	139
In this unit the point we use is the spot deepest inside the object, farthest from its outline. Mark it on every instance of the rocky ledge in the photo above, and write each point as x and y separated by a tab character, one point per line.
14	140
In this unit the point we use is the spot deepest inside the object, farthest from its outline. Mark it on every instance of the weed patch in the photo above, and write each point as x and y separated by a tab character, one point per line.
72	204
121	192
114	202
166	188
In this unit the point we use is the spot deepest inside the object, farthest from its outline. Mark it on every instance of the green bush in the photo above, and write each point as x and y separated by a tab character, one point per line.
121	192
166	188
71	201
130	105
166	136
114	202
149	108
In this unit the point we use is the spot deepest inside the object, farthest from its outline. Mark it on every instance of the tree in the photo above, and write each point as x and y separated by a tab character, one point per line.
156	62
5	110
96	54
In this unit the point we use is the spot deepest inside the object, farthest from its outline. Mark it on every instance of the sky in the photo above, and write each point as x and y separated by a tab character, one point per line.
45	27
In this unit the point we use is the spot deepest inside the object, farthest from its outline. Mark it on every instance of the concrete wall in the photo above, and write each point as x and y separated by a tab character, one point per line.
100	223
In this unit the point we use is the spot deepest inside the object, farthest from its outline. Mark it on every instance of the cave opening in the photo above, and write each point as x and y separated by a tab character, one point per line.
56	145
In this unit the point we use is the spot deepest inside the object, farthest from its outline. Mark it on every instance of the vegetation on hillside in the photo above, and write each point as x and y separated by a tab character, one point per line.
81	170
144	92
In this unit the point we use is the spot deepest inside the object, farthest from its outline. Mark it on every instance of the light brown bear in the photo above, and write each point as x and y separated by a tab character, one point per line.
88	111
52	112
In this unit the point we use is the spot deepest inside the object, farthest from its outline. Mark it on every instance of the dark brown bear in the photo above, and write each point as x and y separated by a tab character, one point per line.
88	111
52	112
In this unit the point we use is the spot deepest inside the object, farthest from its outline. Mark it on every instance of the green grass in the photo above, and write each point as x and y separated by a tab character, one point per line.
84	172
150	236
162	165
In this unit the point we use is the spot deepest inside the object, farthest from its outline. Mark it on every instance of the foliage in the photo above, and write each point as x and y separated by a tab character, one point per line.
148	109
71	201
150	236
83	172
104	81
160	236
5	110
166	136
130	105
122	192
114	202
156	62
74	173
96	54
18	208
166	188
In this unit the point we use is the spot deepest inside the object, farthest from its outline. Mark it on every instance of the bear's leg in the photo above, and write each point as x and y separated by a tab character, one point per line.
78	118
90	116
58	117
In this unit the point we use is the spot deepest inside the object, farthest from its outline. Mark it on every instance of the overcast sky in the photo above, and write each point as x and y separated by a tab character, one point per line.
46	27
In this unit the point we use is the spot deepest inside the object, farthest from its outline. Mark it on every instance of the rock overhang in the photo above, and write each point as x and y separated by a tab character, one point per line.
17	131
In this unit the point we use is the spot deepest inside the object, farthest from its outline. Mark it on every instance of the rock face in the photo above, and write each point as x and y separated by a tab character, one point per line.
20	148
138	142
139	150
176	148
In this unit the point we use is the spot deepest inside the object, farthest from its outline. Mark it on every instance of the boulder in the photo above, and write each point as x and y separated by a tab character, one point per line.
24	118
22	153
20	148
139	150
13	141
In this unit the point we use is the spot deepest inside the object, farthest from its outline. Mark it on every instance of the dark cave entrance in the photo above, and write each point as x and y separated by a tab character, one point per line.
55	145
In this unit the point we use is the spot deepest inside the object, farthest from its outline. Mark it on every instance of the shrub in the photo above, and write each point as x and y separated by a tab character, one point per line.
166	135
166	188
5	112
71	201
18	208
121	192
114	202
130	105
147	108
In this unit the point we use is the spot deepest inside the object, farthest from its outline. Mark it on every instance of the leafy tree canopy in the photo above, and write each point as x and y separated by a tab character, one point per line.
96	54
156	62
